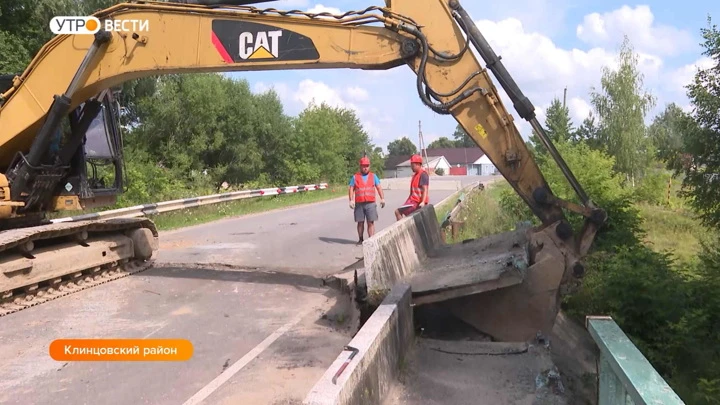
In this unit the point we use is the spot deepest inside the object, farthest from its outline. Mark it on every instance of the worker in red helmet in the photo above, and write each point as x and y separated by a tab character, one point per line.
361	192
419	194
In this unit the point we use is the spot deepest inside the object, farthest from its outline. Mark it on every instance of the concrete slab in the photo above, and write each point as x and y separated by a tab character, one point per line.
463	269
382	345
478	373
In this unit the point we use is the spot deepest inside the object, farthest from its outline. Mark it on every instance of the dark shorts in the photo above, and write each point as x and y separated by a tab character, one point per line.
409	210
366	211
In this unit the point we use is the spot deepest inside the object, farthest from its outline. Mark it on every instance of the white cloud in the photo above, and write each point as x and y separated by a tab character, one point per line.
309	91
282	89
319	8
681	77
357	93
579	110
287	4
542	69
537	64
544	16
639	25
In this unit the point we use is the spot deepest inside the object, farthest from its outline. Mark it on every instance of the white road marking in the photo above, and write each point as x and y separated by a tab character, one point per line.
153	332
207	390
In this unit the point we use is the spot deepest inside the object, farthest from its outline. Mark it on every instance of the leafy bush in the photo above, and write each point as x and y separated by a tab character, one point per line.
653	188
148	182
669	309
672	316
698	332
639	290
594	170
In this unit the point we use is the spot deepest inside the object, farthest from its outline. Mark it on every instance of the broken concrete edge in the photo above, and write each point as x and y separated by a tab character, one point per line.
344	281
382	343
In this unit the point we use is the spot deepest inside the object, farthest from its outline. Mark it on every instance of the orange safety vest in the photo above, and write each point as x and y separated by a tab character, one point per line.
364	191
416	190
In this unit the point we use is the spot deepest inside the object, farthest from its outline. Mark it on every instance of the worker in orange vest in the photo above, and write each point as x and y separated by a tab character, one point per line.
361	192
419	194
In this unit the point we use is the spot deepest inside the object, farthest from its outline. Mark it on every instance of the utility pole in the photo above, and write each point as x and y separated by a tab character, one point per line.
423	151
564	97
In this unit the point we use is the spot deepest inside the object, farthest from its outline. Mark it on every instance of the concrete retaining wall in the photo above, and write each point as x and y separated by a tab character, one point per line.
398	250
383	342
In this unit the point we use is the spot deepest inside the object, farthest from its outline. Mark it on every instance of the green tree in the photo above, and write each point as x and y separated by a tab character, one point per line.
621	107
442	142
377	161
700	157
200	122
328	142
402	146
15	56
24	27
558	126
587	132
666	132
558	122
462	139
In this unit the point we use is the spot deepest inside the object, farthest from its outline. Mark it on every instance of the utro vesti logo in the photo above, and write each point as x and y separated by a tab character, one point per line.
91	25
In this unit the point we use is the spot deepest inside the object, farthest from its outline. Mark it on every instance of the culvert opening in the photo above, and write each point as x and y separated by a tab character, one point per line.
433	321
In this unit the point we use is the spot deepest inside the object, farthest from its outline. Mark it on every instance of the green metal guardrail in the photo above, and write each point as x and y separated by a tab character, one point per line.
626	376
446	220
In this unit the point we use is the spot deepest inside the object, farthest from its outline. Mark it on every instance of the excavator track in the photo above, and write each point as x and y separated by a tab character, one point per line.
71	284
39	264
15	237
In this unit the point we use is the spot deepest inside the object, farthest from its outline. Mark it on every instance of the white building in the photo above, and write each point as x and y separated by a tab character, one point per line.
453	161
434	163
485	166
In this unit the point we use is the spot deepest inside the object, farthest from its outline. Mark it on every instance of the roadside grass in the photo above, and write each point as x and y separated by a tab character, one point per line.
670	228
481	215
203	214
443	210
675	231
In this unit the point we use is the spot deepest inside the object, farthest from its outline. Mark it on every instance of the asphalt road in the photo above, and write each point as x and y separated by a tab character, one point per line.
245	291
317	239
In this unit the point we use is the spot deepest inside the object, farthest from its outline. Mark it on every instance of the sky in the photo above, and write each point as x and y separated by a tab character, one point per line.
546	45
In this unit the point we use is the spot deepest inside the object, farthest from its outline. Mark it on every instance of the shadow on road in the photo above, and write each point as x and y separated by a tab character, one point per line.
229	273
337	240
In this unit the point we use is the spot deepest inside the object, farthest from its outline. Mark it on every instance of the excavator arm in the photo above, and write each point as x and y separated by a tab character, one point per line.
434	38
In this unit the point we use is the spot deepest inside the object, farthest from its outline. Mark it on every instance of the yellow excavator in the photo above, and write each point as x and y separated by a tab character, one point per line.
59	123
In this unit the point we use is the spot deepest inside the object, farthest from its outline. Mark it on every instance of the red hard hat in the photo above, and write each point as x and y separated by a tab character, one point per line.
416	159
364	161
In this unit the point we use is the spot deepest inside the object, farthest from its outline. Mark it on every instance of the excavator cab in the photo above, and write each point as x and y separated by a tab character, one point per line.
96	169
86	147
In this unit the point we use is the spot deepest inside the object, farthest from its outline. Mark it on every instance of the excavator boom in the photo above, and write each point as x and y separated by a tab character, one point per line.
434	38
